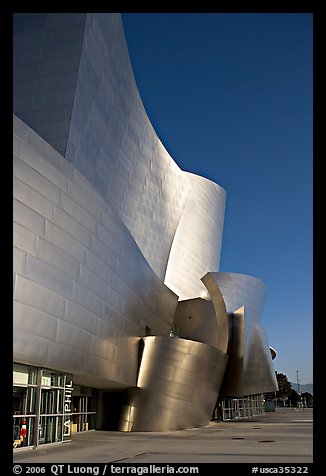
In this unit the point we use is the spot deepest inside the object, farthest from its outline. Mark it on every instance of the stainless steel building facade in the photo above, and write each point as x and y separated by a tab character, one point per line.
119	306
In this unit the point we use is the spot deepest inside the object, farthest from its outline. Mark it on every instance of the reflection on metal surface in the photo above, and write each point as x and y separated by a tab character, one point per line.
233	379
220	311
242	290
197	242
169	396
195	319
113	241
83	291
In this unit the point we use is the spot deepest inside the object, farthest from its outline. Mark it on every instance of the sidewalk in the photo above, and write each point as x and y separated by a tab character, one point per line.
284	436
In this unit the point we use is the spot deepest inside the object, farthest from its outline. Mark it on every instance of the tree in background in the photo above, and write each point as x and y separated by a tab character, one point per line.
286	393
294	398
284	389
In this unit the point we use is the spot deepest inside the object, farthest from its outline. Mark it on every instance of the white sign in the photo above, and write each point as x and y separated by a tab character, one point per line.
67	410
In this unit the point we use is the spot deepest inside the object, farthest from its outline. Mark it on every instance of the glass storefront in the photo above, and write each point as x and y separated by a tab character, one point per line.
50	429
24	405
83	408
23	431
42	406
54	411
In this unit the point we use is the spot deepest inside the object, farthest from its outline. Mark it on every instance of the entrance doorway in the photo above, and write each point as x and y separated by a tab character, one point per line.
112	404
83	409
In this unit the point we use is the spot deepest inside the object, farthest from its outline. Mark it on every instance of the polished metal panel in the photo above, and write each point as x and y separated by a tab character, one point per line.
204	320
201	222
47	48
259	374
113	144
110	233
77	270
241	290
195	319
233	378
178	385
220	312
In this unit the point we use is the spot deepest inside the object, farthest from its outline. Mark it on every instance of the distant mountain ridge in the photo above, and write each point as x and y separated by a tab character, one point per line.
308	387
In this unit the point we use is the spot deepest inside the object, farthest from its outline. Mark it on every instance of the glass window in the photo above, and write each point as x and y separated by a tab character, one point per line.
51	401
24	400
20	374
50	429
55	392
52	379
23	430
32	376
24	375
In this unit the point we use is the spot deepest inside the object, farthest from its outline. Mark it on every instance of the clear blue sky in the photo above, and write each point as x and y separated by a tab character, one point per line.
230	96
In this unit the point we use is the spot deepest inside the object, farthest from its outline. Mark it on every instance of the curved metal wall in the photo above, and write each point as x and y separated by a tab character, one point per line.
116	155
47	49
112	143
195	319
233	379
241	290
83	292
109	232
168	396
196	246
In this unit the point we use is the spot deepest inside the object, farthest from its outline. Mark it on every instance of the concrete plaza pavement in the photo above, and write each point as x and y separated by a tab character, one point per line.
284	436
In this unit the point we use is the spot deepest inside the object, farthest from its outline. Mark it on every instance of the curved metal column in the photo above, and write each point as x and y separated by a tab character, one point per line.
179	382
220	311
233	379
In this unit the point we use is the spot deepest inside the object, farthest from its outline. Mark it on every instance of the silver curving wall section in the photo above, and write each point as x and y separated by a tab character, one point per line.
247	292
83	292
169	395
113	242
112	143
